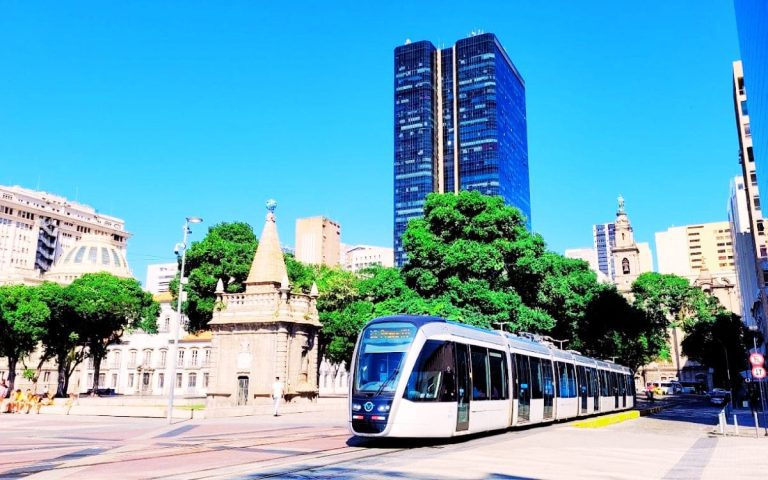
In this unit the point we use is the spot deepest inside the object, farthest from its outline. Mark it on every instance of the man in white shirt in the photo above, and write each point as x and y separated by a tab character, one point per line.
277	394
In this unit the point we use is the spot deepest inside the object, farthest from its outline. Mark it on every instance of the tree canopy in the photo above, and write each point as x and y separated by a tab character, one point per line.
22	323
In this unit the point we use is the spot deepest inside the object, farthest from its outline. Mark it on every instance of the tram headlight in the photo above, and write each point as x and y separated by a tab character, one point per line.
356	407
383	408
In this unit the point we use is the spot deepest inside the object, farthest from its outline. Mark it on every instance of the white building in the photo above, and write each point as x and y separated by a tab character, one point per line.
159	275
36	227
744	255
358	257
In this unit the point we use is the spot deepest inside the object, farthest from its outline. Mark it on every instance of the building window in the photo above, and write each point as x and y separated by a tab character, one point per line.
206	377
625	266
180	359
46	377
178	380
114	380
193	361
147	357
166	324
192	380
132	359
163	355
102	379
130	380
207	360
160	380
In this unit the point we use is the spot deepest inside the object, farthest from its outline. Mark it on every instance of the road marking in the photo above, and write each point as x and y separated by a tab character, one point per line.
693	462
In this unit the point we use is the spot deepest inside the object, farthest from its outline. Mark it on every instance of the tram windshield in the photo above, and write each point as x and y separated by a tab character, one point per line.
380	358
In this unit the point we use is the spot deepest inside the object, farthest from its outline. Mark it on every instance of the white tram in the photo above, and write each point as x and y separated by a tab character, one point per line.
417	376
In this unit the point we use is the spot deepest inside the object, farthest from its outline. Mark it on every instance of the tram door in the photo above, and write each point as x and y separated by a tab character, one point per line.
242	390
581	375
622	381
523	389
548	385
615	382
463	387
594	385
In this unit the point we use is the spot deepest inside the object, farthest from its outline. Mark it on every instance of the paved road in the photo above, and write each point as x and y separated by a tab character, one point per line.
674	444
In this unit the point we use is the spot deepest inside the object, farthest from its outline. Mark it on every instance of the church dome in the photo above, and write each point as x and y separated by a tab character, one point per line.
90	254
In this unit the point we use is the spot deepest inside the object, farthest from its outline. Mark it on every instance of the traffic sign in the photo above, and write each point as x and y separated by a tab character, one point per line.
756	360
758	372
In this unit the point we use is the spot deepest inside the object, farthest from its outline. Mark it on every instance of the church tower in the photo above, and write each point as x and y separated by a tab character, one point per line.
626	254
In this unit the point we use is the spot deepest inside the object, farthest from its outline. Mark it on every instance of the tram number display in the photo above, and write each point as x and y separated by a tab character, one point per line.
391	334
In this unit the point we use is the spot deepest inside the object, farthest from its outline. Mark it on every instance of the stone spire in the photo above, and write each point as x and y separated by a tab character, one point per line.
268	267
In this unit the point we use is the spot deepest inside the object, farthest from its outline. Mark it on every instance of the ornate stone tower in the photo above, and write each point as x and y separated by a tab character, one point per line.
626	254
265	332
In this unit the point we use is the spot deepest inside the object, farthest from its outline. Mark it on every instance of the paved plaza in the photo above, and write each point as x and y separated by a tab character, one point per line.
677	443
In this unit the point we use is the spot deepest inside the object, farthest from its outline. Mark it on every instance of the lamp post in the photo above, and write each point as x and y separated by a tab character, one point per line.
180	247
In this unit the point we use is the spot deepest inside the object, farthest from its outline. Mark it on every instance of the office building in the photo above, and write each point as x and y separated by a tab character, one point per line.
358	257
604	236
744	256
460	124
36	227
159	276
752	26
318	241
686	250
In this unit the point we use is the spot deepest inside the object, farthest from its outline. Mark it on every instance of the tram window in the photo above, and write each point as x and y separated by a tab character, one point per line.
497	362
593	382
479	373
604	388
621	381
547	385
516	379
433	378
568	377
536	383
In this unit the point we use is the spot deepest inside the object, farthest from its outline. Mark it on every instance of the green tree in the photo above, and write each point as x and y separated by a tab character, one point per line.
670	304
225	253
61	336
718	342
22	319
105	306
473	254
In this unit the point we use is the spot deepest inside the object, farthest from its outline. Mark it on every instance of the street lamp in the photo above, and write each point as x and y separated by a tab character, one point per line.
180	248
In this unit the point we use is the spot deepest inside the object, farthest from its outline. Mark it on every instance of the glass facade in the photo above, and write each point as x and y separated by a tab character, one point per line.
460	124
752	24
605	240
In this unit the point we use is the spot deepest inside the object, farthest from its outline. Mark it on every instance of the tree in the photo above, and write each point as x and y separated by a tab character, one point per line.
718	342
105	306
670	302
225	253
22	320
473	254
61	336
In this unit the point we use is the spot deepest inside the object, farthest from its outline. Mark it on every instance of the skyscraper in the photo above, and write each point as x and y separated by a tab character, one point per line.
460	124
605	239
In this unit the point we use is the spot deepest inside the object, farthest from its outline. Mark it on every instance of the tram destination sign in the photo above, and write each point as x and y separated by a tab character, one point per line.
756	360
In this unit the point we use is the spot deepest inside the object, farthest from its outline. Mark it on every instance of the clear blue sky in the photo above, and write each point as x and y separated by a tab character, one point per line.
153	111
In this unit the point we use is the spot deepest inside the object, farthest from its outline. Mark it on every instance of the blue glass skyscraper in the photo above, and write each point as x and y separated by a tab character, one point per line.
752	24
460	124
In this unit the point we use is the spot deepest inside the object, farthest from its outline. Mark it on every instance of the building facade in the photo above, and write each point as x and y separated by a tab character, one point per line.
460	124
604	238
744	255
318	241
358	257
753	45
36	227
686	250
159	276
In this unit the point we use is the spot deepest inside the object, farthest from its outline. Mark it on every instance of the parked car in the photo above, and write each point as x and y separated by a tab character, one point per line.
719	396
671	388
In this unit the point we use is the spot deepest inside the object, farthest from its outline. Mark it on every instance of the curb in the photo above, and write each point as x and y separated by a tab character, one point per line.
605	420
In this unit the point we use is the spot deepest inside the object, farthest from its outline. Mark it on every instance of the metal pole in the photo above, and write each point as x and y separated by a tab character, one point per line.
174	346
736	424
760	386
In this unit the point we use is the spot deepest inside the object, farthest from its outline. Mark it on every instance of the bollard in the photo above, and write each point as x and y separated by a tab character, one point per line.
736	424
757	426
721	421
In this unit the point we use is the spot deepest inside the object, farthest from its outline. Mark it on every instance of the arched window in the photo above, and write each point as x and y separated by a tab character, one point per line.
625	266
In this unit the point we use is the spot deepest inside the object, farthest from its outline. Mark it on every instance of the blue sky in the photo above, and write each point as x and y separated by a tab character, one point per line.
154	111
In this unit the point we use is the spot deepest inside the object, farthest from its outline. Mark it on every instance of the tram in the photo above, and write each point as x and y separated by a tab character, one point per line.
419	376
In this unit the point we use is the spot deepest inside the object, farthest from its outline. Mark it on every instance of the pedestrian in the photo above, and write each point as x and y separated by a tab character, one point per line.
277	394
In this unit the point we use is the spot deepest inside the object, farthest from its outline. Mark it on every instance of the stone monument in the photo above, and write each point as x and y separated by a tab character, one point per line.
265	332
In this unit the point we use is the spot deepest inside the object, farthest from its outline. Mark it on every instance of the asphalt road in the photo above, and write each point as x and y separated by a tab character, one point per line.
675	443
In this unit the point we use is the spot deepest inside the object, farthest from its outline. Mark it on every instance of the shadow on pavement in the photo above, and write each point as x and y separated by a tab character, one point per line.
304	472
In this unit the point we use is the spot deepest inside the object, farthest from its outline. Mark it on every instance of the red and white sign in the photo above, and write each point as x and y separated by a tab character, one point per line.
758	372
756	360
